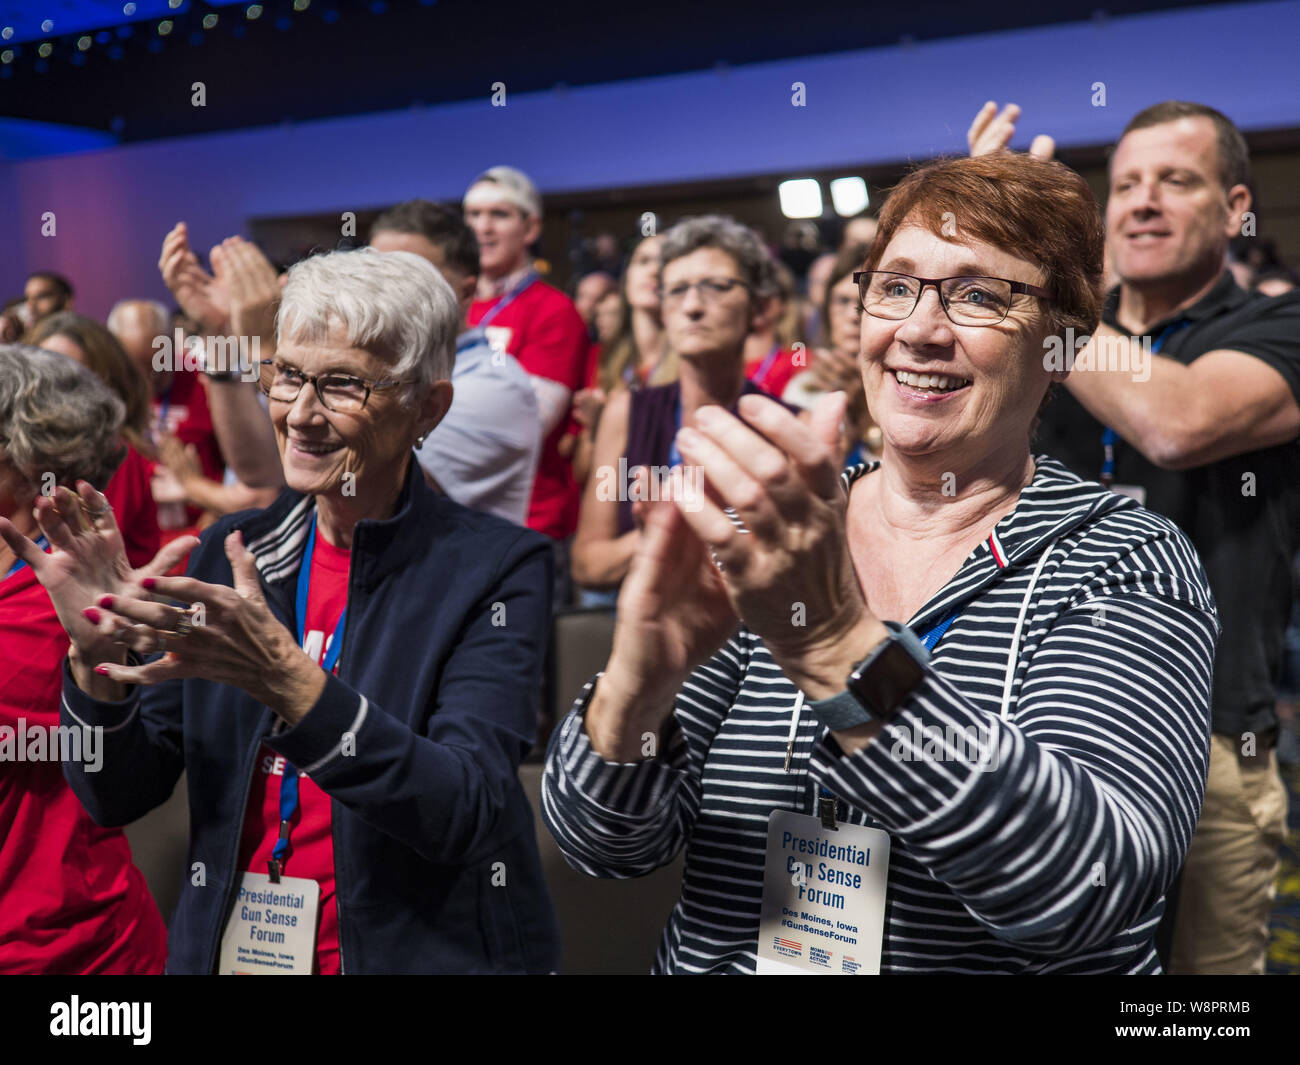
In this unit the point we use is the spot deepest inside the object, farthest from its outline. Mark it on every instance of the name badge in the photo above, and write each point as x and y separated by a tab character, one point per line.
823	898
1133	491
272	930
499	337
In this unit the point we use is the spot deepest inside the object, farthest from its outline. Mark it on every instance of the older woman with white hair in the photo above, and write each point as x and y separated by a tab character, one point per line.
349	681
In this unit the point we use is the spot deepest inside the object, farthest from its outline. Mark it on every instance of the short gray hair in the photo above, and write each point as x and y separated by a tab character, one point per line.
57	417
393	304
725	234
162	317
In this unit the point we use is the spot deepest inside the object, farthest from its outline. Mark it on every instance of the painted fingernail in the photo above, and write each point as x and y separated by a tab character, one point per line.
148	583
106	601
91	614
102	670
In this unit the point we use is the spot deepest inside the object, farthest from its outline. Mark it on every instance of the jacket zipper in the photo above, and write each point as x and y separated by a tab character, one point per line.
236	874
334	821
338	886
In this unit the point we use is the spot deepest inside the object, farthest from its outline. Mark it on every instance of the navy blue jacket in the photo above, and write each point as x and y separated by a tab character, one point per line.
435	855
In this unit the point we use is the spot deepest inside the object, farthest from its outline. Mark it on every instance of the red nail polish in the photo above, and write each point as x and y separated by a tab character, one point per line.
91	615
102	670
148	584
106	601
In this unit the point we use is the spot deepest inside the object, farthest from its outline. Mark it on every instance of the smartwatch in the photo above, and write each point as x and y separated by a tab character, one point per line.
879	684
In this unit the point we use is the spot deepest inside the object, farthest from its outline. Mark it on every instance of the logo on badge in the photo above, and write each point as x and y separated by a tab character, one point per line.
789	947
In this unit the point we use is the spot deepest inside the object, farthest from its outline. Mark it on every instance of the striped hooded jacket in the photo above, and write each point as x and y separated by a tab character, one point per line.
1053	856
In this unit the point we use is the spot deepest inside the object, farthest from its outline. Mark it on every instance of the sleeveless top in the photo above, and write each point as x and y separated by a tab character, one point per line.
651	427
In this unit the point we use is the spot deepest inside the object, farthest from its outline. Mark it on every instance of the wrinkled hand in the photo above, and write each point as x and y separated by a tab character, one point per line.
182	461
166	487
199	294
86	561
789	575
232	638
991	131
253	287
836	371
673	610
587	405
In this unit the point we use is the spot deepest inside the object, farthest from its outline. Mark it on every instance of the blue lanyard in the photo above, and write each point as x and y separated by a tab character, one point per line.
507	299
40	542
164	408
761	376
304	584
675	456
1109	438
935	634
289	782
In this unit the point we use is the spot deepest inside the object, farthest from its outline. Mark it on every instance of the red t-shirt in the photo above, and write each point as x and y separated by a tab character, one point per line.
311	840
130	496
183	411
71	900
543	330
774	372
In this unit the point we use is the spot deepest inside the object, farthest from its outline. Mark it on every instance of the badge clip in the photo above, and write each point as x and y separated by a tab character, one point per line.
826	811
273	869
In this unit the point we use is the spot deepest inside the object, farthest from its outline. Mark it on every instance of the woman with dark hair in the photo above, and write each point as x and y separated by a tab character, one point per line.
835	367
129	493
943	712
636	355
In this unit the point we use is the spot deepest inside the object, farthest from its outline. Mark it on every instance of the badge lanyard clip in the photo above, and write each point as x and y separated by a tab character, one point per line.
826	810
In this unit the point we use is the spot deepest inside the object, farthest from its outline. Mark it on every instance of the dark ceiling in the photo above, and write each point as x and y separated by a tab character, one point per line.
339	57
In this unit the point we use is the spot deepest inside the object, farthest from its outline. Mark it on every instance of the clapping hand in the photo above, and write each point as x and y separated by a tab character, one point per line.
787	573
252	287
992	131
199	294
673	610
86	561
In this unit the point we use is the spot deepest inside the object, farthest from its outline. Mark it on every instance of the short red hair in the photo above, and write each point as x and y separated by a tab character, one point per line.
1040	211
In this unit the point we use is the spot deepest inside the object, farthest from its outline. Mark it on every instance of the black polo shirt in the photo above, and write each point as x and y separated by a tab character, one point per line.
1246	541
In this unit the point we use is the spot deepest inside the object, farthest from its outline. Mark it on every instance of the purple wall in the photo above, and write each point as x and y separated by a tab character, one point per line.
114	205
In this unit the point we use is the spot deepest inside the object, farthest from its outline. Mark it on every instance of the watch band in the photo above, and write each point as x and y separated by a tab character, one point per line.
879	684
233	372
